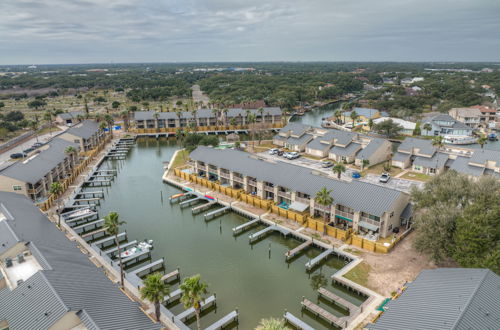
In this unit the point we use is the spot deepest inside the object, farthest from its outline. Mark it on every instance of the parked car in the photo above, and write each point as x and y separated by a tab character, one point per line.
384	178
293	155
17	155
356	175
326	164
273	151
27	151
37	145
285	154
280	153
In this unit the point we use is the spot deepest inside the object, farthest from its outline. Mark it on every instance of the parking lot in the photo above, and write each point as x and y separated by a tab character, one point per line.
394	183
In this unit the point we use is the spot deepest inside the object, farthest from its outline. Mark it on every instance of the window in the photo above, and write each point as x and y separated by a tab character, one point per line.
76	141
390	227
17	188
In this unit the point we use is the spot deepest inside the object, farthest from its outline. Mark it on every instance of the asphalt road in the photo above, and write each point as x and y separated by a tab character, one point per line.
394	183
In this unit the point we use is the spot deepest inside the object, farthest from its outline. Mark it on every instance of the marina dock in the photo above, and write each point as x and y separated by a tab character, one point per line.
339	301
189	313
313	262
227	319
211	215
109	241
149	268
91	235
190	202
241	228
266	231
203	207
113	252
93	224
296	322
173	296
141	256
173	275
319	311
294	252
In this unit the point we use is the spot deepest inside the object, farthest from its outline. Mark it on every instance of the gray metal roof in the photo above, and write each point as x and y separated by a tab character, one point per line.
296	129
361	196
36	168
438	160
85	129
71	115
72	283
317	145
484	155
425	146
461	165
373	146
400	157
446	298
7	237
299	141
453	123
350	150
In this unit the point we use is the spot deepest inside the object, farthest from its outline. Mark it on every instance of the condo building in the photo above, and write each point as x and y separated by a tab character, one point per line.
86	134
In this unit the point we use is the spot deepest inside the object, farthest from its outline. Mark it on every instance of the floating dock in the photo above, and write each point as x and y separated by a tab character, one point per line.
176	275
296	322
173	296
339	301
94	224
189	313
294	252
111	239
313	262
203	207
94	233
190	202
81	217
266	231
113	252
318	311
227	319
149	268
141	256
241	228
215	213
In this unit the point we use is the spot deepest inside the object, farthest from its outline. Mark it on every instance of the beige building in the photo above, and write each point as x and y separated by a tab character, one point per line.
86	134
469	116
33	175
368	209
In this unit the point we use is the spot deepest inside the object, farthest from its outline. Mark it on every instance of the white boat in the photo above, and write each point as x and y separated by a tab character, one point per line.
459	139
141	247
79	213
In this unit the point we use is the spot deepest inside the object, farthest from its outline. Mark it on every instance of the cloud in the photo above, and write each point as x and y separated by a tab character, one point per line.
61	31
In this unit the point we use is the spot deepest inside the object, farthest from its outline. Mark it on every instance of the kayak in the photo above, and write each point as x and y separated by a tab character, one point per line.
209	197
176	195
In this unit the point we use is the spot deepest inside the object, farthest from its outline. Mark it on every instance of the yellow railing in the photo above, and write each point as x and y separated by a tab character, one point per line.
44	206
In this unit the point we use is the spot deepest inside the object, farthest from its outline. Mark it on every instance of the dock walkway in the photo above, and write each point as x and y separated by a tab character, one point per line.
293	252
329	317
313	262
188	313
215	213
227	319
296	322
245	226
267	230
338	300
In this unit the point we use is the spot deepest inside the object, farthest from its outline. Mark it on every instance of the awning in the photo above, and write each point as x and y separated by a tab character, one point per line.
368	226
343	218
299	207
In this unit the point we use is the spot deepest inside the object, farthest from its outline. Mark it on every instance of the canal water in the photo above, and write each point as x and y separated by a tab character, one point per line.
259	283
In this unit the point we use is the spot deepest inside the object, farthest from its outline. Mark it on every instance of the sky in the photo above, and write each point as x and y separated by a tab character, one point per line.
104	31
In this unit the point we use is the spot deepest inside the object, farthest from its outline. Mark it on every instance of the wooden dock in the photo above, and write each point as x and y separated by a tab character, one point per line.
318	311
266	231
111	239
296	322
294	252
215	213
94	224
149	268
172	275
190	202
339	301
93	233
189	313
81	217
173	296
313	262
203	207
241	228
227	319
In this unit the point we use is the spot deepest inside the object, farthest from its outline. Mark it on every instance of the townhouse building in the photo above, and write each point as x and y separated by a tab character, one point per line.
86	134
365	208
69	118
33	176
204	117
444	125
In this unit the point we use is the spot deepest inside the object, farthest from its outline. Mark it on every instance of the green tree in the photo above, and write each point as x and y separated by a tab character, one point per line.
56	189
337	115
427	127
324	199
388	128
370	123
109	121
71	151
115	104
2	105
364	163
438	142
193	292
272	324
34	127
47	116
112	224
482	140
155	290
354	115
37	104
338	169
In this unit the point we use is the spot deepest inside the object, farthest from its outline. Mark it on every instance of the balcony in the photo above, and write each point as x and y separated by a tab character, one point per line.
268	188
285	194
343	214
238	179
252	182
303	200
370	221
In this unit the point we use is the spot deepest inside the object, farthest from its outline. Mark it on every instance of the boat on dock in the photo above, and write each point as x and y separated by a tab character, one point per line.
492	137
144	246
459	139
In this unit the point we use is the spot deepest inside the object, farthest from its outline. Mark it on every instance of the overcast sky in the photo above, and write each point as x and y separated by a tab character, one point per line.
103	31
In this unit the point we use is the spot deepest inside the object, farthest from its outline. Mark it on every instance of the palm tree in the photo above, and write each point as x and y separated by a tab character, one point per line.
178	112
438	142
47	116
225	111
193	291
194	113
261	113
124	114
156	116
86	107
71	151
56	189
232	121
112	224
354	116
34	127
251	126
110	121
364	162
370	123
482	141
79	118
338	169
337	114
155	290
427	127
272	324
323	198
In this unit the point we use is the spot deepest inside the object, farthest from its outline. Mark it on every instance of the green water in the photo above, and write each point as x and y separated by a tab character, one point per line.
243	276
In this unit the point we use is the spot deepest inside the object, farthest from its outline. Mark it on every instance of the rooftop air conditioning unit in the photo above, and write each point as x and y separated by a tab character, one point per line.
20	258
8	262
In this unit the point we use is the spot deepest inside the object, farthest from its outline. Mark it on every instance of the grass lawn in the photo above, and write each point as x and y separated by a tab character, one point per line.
417	176
359	274
54	129
379	169
180	159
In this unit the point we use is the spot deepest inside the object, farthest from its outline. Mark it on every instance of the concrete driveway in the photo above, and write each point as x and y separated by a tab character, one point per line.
394	183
